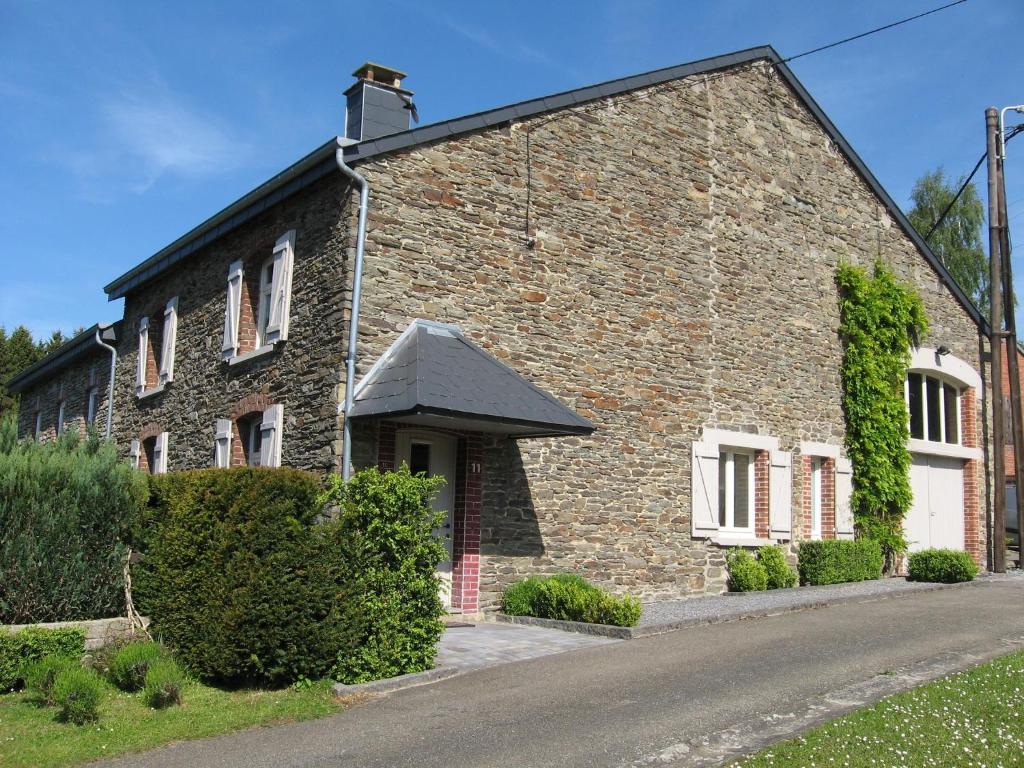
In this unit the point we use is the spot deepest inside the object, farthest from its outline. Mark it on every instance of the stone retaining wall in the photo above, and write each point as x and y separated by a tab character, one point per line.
98	632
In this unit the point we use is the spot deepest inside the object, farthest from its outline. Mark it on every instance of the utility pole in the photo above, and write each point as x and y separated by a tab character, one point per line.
1012	366
996	347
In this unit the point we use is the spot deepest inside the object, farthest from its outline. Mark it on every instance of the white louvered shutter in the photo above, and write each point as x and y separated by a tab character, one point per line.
169	341
780	495
844	489
134	453
160	455
270	436
704	491
281	289
140	368
222	444
232	309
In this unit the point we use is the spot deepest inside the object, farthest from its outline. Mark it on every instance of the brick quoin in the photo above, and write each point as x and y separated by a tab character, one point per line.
974	528
761	525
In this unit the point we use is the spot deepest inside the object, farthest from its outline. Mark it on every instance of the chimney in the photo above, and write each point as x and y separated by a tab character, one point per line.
377	105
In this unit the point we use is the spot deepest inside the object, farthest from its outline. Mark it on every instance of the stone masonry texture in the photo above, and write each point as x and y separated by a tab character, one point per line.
661	261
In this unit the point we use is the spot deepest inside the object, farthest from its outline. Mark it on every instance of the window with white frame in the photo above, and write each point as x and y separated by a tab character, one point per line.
816	495
258	304
736	490
37	432
934	408
91	402
265	299
249	434
60	417
259	439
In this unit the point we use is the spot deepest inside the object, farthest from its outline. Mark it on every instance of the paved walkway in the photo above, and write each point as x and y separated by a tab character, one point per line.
486	644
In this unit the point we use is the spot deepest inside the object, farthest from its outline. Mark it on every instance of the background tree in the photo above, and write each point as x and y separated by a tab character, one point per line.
17	352
957	241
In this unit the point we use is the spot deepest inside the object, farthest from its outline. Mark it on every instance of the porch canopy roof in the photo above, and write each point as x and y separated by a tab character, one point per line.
435	377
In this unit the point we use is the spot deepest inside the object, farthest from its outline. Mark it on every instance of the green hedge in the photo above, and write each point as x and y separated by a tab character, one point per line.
946	566
65	507
18	650
746	574
243	580
237	577
779	574
835	561
569	597
390	593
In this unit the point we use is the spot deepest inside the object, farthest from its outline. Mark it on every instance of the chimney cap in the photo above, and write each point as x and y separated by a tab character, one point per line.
378	73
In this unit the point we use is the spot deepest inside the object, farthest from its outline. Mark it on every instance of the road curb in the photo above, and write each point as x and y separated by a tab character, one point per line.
402	681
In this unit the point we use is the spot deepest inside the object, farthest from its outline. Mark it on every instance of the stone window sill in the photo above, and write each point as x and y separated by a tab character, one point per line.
739	540
951	450
255	354
151	392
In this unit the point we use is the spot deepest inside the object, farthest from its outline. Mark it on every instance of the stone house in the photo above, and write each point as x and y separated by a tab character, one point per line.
608	316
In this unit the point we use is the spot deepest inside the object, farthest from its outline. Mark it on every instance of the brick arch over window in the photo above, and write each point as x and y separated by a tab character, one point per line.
150	430
250	404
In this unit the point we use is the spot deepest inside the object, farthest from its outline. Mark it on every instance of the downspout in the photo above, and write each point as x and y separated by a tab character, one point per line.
110	393
353	324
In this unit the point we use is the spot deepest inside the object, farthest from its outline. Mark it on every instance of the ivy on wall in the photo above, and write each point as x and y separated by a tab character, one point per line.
879	320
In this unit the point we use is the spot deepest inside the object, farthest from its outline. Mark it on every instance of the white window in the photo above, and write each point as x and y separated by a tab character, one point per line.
38	431
281	289
934	408
252	438
266	298
736	490
232	309
91	401
260	435
60	418
816	474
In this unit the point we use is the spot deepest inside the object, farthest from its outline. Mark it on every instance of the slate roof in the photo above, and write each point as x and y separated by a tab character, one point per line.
432	369
320	163
64	355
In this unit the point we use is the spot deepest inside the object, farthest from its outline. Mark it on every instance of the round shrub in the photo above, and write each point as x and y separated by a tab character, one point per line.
129	665
569	597
40	675
238	577
163	685
945	566
519	598
780	575
78	691
746	574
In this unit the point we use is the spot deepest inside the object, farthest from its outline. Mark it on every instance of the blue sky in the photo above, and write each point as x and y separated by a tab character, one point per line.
124	124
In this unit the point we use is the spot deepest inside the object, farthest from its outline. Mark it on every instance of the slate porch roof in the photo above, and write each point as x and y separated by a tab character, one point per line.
433	375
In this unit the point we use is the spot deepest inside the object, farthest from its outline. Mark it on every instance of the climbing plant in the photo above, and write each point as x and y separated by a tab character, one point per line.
879	320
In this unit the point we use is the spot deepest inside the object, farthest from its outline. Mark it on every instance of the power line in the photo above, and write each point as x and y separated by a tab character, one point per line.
873	31
942	216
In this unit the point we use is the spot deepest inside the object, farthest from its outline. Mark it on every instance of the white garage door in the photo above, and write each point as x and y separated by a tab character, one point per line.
936	517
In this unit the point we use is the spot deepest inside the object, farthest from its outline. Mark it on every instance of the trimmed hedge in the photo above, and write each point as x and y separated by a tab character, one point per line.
836	561
18	650
65	508
247	584
946	566
237	577
569	597
746	574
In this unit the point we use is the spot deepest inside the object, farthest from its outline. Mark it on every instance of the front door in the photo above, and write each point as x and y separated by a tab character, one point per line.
434	454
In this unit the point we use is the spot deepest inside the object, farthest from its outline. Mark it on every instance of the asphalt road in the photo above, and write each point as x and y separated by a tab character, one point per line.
628	703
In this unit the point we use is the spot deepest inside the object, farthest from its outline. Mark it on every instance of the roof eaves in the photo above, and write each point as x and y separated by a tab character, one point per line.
64	355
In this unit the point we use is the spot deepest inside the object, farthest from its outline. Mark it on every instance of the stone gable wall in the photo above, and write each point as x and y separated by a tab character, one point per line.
677	272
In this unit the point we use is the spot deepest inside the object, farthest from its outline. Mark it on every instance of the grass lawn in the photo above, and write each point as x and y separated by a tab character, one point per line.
30	736
972	718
